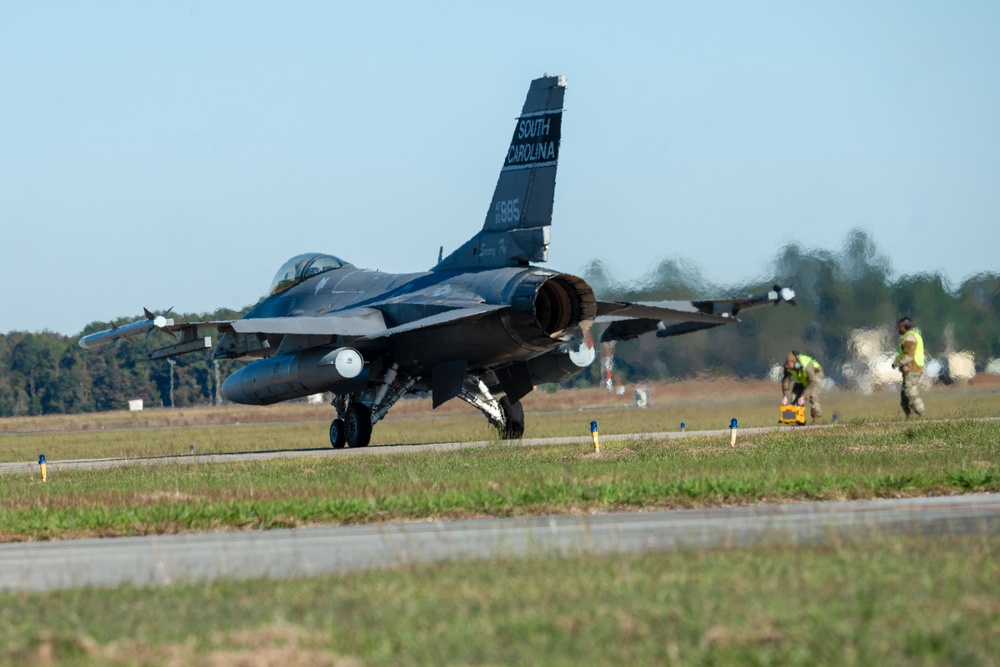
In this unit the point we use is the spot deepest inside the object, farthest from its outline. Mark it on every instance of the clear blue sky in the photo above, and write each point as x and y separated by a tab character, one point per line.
176	153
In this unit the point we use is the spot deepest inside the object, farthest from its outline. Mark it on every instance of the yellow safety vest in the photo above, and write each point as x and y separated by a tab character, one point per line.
800	374
918	354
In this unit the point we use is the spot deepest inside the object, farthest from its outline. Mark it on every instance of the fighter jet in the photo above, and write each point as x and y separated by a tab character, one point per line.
485	324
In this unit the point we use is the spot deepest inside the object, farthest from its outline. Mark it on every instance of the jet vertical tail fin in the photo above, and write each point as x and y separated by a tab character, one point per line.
516	231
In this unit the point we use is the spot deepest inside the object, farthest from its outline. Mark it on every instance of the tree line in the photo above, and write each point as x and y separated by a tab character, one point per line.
48	373
838	292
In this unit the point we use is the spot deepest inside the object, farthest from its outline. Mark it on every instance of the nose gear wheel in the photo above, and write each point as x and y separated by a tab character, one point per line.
338	438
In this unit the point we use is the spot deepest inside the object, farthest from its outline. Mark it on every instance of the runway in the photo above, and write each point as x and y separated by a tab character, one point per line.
167	559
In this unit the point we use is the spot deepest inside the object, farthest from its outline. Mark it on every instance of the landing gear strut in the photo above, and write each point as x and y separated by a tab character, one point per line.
358	412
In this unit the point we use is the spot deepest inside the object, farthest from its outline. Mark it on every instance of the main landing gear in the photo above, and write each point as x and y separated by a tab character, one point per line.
506	416
512	426
357	413
354	430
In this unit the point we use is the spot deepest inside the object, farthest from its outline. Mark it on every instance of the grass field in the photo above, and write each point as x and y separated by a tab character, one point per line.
851	461
891	601
701	405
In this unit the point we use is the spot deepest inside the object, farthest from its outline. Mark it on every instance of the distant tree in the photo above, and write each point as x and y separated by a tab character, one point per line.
978	316
72	390
927	299
34	364
838	292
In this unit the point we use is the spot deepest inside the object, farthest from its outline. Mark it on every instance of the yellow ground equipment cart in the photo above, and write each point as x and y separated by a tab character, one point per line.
792	414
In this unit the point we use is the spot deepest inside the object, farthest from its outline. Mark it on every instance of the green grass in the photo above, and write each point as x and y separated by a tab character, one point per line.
240	429
504	480
902	601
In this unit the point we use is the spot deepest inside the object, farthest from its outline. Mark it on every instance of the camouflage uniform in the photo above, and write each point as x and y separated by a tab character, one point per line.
909	361
803	382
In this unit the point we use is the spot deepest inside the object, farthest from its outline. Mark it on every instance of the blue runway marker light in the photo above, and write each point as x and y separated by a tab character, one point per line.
835	419
682	426
593	432
41	464
733	426
41	459
191	448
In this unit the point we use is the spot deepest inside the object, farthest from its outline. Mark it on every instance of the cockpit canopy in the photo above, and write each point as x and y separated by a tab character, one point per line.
300	267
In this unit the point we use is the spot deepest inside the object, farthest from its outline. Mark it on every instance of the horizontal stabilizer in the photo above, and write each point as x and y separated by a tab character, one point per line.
674	318
734	306
682	328
664	311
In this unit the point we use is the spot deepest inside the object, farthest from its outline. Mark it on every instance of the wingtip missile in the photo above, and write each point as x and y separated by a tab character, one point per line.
115	333
779	294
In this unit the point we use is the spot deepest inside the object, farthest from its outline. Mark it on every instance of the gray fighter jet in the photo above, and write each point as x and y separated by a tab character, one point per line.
484	324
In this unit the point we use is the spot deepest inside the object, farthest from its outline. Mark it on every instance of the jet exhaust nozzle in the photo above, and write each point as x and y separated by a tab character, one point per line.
544	306
287	376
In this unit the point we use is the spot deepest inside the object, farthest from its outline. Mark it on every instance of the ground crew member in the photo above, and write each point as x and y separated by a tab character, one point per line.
910	362
801	383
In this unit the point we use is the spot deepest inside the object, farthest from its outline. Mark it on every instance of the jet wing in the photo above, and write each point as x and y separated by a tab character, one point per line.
354	322
673	318
468	314
363	324
264	336
365	328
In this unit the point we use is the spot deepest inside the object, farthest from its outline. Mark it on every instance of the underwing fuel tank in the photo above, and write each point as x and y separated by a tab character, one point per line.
286	376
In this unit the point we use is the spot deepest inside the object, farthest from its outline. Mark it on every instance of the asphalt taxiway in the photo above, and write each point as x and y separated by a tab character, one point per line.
165	559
